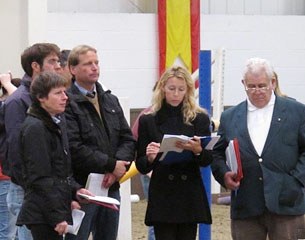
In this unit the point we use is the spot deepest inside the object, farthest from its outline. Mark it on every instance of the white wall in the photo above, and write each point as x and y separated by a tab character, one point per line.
126	44
128	48
244	7
13	35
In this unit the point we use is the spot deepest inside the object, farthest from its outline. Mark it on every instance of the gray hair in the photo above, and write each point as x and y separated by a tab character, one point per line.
258	66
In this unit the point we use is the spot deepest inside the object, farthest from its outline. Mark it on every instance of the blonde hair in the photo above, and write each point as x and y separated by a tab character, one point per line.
189	106
277	89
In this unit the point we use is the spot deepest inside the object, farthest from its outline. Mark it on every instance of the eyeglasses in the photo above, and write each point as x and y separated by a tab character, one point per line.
254	89
53	61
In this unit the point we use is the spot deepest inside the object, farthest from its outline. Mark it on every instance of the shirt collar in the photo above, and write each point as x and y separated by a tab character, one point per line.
83	90
252	108
56	119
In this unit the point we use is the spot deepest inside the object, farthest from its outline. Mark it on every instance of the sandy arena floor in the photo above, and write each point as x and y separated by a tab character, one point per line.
220	226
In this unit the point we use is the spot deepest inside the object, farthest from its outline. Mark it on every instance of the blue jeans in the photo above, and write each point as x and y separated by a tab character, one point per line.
101	221
7	228
14	201
145	184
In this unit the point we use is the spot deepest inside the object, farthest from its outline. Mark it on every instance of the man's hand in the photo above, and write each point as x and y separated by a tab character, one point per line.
108	180
230	181
120	168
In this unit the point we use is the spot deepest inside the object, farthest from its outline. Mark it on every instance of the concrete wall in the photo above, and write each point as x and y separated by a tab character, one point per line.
128	48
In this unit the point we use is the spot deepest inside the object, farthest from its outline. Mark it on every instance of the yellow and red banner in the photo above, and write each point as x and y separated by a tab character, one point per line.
179	33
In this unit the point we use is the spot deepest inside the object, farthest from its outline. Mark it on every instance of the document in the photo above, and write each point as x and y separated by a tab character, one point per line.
233	158
94	185
102	200
173	154
77	216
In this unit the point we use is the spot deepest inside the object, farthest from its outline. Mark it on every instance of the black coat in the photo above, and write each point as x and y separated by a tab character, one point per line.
176	191
46	168
92	149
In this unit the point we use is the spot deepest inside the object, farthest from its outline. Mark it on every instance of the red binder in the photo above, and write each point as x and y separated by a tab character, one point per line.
239	174
233	158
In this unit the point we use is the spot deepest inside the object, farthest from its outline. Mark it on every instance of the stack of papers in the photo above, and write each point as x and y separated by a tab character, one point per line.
173	154
95	185
233	159
102	200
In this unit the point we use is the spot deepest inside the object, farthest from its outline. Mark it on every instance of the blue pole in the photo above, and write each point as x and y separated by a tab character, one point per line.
205	102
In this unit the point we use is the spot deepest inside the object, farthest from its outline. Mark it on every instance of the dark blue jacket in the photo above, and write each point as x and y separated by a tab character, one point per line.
15	108
276	179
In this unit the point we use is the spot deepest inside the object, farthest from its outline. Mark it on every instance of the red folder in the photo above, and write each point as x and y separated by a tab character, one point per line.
233	158
239	174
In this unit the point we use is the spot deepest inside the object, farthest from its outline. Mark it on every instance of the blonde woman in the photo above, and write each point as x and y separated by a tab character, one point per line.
177	199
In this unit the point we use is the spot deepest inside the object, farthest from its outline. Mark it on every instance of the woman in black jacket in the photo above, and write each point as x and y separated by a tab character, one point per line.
46	209
177	199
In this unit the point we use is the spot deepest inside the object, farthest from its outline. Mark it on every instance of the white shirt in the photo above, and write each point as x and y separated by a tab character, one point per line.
259	120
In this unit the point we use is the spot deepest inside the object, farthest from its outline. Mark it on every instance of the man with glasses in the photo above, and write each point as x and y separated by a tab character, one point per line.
64	67
269	199
36	59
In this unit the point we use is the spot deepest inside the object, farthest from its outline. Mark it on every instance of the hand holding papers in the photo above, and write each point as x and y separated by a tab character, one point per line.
102	200
77	216
233	159
94	185
171	153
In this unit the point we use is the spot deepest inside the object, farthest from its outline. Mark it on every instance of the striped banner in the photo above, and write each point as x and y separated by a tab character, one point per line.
179	33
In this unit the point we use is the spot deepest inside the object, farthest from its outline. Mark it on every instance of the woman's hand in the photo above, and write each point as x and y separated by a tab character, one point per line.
152	150
84	191
75	205
193	145
61	227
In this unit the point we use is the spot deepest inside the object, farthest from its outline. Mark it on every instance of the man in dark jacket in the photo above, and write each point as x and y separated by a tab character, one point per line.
34	60
100	140
269	199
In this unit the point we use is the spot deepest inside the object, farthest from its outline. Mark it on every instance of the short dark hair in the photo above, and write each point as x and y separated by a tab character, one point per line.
63	59
37	53
44	83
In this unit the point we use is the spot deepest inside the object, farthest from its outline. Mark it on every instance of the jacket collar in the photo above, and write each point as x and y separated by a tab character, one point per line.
37	111
26	80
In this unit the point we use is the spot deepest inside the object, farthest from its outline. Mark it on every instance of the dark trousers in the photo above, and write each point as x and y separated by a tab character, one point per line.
44	232
276	227
172	231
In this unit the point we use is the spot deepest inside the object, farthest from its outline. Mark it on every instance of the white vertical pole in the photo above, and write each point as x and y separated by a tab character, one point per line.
125	210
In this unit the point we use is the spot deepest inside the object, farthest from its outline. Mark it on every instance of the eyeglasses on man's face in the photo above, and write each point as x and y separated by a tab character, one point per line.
253	89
